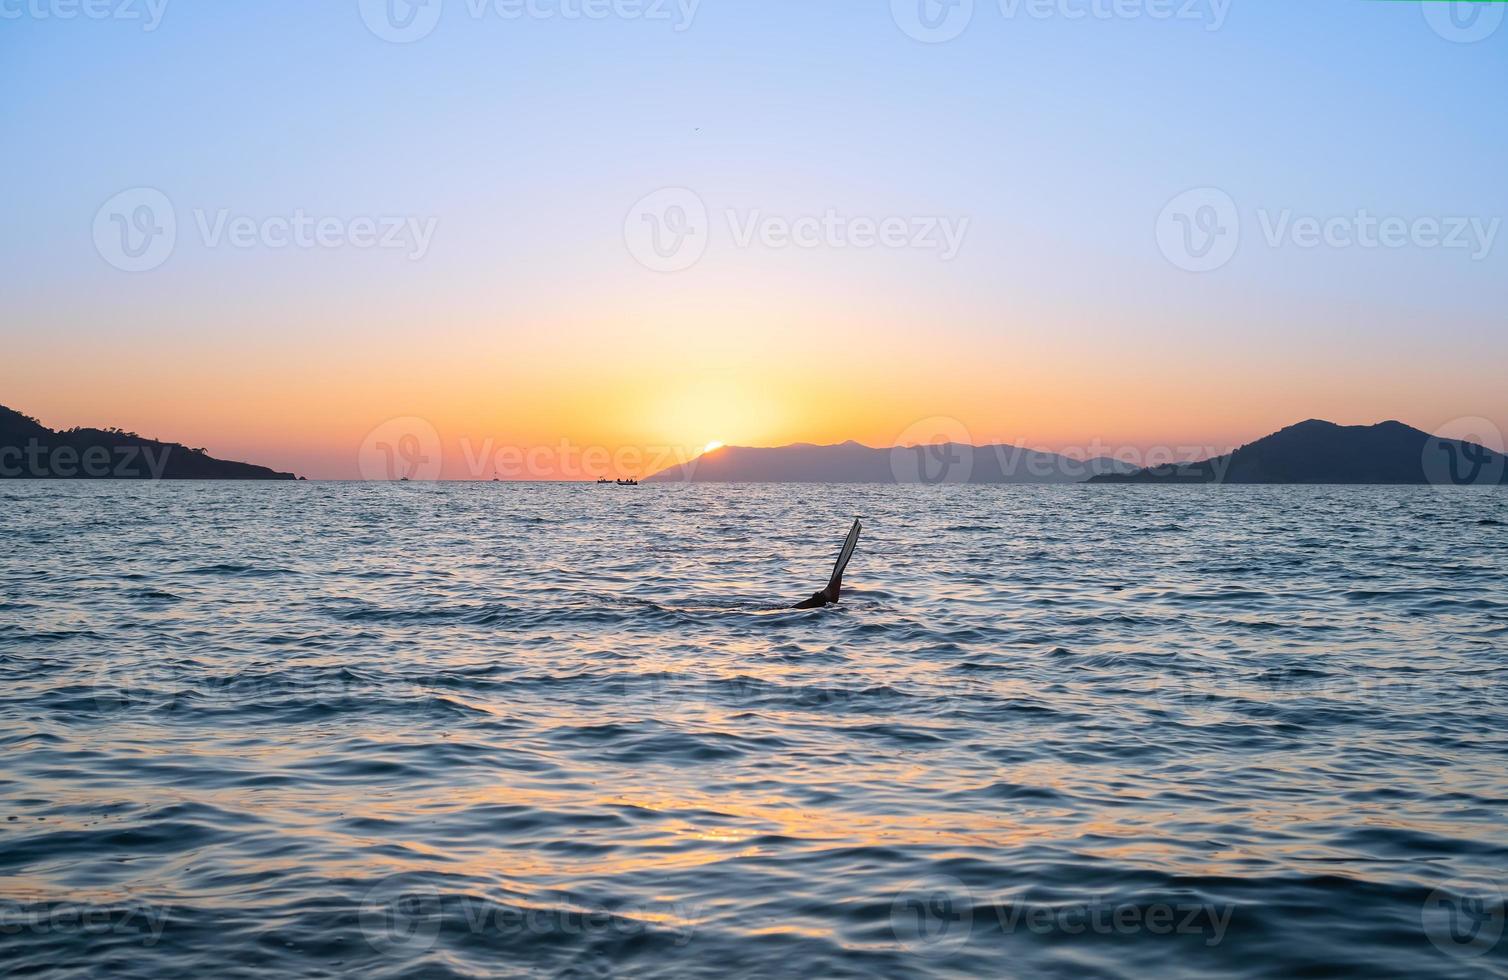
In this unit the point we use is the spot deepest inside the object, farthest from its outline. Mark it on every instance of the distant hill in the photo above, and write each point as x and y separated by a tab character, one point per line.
851	462
28	449
1323	452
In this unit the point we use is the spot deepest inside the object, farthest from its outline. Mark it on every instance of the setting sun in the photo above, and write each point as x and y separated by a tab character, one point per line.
711	447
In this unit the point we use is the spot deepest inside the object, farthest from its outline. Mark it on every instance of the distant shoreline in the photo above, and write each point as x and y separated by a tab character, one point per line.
1310	453
1313	452
1085	485
30	450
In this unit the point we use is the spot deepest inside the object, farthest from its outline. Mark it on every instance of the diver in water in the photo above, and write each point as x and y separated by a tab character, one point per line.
829	595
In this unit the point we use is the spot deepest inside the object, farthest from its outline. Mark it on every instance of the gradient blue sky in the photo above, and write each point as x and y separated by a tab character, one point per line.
1060	322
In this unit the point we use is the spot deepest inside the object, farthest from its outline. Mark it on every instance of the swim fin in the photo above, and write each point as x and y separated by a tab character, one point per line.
834	587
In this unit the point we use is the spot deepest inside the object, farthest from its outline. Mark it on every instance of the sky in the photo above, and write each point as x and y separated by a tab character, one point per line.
567	237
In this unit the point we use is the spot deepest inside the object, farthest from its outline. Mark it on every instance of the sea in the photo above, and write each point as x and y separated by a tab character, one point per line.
327	729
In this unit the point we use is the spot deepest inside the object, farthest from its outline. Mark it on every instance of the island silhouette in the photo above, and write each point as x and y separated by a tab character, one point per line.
30	450
852	462
1315	451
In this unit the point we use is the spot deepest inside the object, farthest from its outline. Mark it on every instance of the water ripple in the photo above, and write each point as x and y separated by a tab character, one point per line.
463	730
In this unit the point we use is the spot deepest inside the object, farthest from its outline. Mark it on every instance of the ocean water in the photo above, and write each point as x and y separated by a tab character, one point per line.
326	729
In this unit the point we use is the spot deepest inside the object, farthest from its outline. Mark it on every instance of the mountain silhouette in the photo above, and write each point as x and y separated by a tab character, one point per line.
851	462
28	449
1323	452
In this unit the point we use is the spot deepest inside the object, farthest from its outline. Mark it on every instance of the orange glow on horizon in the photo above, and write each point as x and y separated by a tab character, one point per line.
628	405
